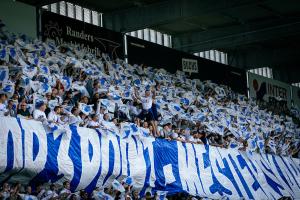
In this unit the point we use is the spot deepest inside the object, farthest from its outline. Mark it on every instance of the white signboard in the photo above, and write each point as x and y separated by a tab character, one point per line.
189	65
267	89
296	96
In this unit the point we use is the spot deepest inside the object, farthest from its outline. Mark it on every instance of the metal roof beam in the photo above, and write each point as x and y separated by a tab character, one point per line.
147	16
238	35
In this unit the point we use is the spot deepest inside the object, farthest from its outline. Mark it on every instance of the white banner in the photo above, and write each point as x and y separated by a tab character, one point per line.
189	65
91	158
267	89
296	96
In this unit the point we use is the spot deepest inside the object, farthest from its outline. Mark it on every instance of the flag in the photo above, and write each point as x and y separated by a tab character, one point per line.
44	70
29	71
103	196
137	82
125	130
110	105
174	108
81	89
67	82
233	145
144	131
13	53
118	186
128	181
185	101
102	81
115	96
86	109
25	82
134	129
8	89
261	145
4	74
161	195
3	54
38	100
52	104
124	109
127	95
44	88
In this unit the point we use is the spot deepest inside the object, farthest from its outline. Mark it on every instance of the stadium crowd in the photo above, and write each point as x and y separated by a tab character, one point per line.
116	191
62	85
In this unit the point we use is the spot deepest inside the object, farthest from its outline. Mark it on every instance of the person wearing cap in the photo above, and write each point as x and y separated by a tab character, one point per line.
39	112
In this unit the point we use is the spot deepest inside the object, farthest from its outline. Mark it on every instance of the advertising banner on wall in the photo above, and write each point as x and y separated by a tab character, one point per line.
189	65
95	39
158	56
296	96
266	89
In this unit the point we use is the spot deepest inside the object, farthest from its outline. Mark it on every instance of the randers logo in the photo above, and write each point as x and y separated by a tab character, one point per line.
52	30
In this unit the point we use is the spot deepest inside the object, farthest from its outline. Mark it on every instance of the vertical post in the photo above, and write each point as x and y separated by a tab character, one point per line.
38	21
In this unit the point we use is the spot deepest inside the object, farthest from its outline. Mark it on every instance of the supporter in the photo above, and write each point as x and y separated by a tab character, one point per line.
11	109
94	122
84	119
151	130
51	193
83	195
5	191
66	189
135	195
74	117
3	109
106	117
39	192
24	111
39	112
28	194
54	116
215	140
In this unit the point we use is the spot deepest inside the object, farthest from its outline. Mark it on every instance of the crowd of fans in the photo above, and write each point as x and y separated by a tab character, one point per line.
116	191
62	85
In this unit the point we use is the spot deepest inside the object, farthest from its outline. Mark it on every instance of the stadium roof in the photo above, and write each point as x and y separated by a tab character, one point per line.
254	33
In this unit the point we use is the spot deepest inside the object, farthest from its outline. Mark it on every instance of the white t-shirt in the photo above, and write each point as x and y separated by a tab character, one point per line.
28	197
100	117
76	120
50	194
38	114
52	116
2	109
93	123
146	102
65	191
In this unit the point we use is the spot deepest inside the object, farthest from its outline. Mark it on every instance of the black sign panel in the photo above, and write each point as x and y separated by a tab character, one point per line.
154	55
93	38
